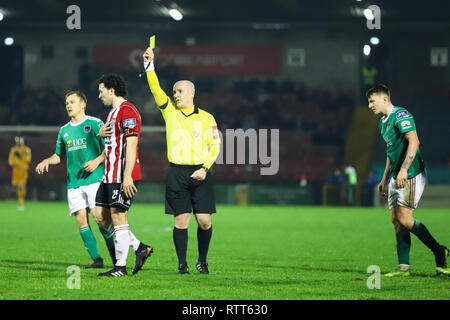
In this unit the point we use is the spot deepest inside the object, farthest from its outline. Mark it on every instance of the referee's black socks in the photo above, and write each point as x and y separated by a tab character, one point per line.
180	239
203	237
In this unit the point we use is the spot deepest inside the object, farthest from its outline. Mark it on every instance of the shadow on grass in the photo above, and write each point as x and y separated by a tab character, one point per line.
338	270
309	268
39	265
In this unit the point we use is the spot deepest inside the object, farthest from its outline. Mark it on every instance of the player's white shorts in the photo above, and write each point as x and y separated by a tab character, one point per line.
82	197
408	196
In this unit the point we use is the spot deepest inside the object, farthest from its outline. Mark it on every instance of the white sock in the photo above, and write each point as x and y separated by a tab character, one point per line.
122	244
134	241
403	267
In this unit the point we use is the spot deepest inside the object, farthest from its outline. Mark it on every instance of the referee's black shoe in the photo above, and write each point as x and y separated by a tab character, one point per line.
116	272
202	267
98	263
142	253
183	269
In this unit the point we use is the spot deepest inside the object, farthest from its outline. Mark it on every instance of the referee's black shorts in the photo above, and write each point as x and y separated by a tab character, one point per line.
184	194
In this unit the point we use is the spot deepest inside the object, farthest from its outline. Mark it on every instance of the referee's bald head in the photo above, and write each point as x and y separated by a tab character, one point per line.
188	85
183	93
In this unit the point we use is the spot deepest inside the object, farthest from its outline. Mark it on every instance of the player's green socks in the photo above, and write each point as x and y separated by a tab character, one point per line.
403	245
89	242
180	239
203	237
109	238
425	236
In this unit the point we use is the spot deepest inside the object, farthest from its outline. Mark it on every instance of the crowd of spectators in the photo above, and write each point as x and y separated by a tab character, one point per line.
313	122
249	103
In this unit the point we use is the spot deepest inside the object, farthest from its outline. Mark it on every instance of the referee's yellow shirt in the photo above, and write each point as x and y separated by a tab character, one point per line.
192	135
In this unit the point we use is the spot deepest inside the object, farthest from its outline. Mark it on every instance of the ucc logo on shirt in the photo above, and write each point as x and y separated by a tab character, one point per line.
76	144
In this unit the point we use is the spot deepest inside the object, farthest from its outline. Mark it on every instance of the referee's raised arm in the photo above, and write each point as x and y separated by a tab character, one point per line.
160	96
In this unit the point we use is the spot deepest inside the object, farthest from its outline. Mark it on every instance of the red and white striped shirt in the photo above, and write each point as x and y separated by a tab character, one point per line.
125	122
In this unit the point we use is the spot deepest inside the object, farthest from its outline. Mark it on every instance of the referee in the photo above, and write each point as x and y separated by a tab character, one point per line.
193	144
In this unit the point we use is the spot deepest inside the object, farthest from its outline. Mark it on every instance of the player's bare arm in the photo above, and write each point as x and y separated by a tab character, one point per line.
130	159
91	165
43	165
411	151
385	179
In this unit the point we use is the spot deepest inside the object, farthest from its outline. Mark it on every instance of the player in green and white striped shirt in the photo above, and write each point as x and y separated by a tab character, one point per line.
81	144
405	173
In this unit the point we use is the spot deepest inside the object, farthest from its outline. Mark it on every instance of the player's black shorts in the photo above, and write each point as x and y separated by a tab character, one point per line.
111	195
184	194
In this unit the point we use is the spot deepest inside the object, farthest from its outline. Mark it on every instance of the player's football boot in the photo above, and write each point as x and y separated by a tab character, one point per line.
142	253
442	271
202	267
116	272
183	269
441	259
98	263
399	273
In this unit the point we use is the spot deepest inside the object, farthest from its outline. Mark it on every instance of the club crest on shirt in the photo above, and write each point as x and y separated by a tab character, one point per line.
87	129
129	123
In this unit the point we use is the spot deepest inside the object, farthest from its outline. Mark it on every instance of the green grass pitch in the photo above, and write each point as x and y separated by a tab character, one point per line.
256	253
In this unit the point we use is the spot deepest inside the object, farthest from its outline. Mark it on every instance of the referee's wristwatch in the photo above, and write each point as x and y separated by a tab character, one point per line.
205	168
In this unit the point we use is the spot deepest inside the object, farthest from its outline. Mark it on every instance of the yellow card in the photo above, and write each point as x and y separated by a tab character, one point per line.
152	42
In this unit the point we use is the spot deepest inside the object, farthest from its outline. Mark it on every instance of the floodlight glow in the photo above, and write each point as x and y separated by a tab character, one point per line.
366	50
9	41
369	14
1	16
175	14
374	40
